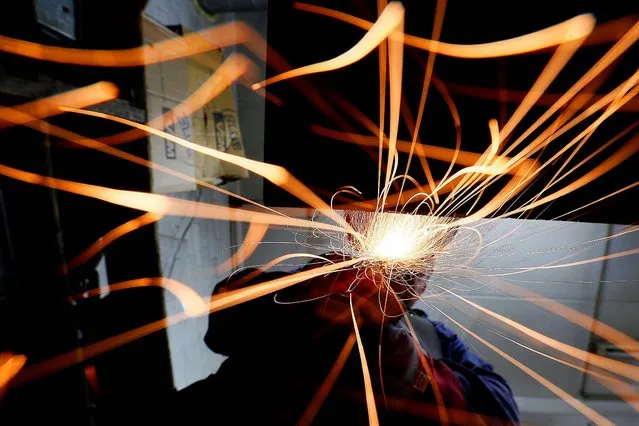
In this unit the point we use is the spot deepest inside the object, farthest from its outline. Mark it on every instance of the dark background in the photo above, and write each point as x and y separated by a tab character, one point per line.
41	228
304	38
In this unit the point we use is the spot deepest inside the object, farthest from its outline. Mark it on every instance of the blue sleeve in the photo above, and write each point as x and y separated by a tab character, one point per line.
486	392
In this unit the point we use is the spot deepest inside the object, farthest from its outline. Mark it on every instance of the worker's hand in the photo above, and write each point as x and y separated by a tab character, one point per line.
373	300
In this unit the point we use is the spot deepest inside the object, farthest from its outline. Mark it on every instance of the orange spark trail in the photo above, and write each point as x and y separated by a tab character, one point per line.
386	24
395	65
564	52
59	132
517	97
328	383
569	45
407	198
368	386
269	265
68	359
548	37
619	191
448	99
192	44
619	99
625	152
557	178
613	54
276	174
383	65
629	252
462	158
569	399
415	148
624	390
217	303
441	406
192	303
160	204
97	247
483	161
540	142
430	64
608	32
611	365
213	63
586	322
235	297
10	365
253	237
47	107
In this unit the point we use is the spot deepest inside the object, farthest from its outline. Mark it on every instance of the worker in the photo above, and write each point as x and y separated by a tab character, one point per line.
282	349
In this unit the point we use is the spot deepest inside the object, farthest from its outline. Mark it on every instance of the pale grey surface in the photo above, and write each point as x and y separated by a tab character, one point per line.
193	254
207	243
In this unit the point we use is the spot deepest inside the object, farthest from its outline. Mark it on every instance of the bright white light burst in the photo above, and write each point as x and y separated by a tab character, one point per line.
394	245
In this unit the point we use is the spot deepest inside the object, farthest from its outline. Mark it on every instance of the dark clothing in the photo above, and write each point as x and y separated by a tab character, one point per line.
485	391
279	355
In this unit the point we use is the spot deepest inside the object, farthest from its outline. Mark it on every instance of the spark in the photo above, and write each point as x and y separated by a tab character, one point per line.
191	302
517	97
572	29
621	388
97	247
593	415
251	276
463	158
17	116
629	252
393	248
253	236
570	314
160	204
611	365
401	243
320	396
390	19
373	420
48	107
414	128
216	303
190	45
276	174
10	365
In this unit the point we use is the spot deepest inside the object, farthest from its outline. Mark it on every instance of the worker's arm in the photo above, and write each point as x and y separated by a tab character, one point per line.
485	391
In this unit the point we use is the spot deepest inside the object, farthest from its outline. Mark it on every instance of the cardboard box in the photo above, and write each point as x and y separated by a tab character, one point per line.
216	125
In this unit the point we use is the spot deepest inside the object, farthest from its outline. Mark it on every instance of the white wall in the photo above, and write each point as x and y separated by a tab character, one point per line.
206	243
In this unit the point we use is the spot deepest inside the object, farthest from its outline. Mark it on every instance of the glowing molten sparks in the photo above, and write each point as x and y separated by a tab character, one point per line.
396	244
396	247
